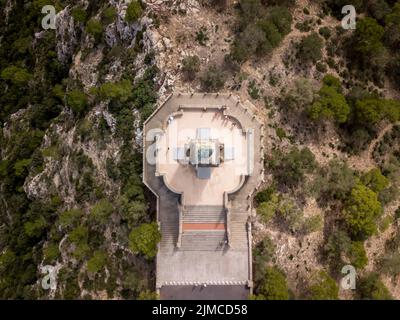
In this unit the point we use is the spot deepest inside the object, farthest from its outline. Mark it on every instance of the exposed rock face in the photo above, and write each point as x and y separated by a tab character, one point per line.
66	35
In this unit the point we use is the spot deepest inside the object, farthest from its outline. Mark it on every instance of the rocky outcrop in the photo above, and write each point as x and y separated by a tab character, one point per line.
66	35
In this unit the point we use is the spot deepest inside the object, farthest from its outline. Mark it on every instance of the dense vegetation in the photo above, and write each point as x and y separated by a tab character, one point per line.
79	235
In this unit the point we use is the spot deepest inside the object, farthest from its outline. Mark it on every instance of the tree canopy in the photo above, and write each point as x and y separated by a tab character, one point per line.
323	287
361	211
330	103
273	285
144	239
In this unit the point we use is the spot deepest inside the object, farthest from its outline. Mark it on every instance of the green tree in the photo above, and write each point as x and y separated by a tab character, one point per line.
97	261
108	15
21	167
266	210
370	111
51	252
264	195
375	180
273	286
309	50
77	100
101	211
79	14
132	211
94	28
144	239
70	218
371	287
357	255
79	237
361	211
134	11
392	27
18	76
334	181
330	104
323	287
368	37
36	227
118	91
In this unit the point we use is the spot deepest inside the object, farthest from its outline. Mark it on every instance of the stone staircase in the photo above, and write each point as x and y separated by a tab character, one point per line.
204	214
203	240
169	233
238	231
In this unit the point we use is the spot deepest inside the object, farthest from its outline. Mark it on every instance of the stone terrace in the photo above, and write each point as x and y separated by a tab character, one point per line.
206	236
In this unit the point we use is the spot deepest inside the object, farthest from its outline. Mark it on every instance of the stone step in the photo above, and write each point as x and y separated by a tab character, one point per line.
204	214
203	240
204	208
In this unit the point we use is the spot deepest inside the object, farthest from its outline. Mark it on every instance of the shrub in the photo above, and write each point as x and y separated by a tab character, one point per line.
144	239
264	195
374	180
262	255
371	287
148	295
77	100
134	11
266	210
18	76
289	170
361	211
368	37
323	287
392	27
337	246
132	211
273	285
51	252
79	14
97	261
334	181
118	91
330	103
310	48
389	264
312	224
35	228
94	28
70	218
201	36
101	211
213	79
261	30
358	256
108	15
300	96
325	32
190	66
